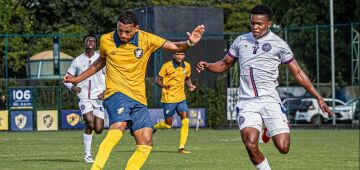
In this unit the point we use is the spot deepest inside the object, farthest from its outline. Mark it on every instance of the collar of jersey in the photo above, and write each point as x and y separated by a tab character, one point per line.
176	65
264	37
134	40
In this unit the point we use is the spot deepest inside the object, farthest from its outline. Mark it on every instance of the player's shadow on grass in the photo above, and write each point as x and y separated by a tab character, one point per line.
50	160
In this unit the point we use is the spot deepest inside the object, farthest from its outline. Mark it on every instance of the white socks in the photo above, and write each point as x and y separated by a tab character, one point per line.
87	144
264	165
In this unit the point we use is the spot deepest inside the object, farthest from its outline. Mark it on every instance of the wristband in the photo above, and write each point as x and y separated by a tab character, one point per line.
190	44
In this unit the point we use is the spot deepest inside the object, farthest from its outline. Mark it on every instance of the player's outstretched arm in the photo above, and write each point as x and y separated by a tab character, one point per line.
217	67
95	67
193	38
304	81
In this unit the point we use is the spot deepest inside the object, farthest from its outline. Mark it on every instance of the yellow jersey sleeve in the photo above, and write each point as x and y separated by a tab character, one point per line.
102	49
162	72
188	70
155	42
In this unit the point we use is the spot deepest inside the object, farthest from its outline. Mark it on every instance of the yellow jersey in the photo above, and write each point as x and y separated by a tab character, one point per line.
175	76
126	63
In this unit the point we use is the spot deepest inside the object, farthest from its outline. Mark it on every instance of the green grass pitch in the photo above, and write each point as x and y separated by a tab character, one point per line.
211	149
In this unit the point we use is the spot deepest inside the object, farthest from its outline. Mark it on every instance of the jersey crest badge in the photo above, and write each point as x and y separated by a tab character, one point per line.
266	47
138	53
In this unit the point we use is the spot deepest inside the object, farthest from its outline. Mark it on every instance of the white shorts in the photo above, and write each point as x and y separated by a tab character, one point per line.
92	105
254	112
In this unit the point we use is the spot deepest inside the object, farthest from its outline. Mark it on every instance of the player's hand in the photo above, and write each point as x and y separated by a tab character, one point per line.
192	88
201	66
77	90
69	79
195	36
325	108
101	95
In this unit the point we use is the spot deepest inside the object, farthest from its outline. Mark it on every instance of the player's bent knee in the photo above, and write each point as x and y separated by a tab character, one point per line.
98	130
90	125
284	149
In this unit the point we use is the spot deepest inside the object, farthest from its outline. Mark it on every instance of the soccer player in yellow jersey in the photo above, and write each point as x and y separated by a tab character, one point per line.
172	78
126	52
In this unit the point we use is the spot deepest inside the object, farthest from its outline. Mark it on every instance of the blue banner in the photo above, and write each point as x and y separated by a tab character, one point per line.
20	97
21	120
195	115
71	119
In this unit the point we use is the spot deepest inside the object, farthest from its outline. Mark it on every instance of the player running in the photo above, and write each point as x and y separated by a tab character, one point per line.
90	93
172	78
259	54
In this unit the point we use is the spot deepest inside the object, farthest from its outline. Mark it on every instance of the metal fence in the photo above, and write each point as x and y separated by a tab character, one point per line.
311	46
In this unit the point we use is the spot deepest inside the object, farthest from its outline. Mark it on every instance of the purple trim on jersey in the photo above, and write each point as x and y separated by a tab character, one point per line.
289	61
253	82
89	87
69	74
232	56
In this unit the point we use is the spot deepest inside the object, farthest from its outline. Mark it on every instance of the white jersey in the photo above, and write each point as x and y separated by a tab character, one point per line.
259	60
93	85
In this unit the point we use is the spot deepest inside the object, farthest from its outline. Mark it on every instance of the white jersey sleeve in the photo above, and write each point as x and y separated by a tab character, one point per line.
71	71
234	48
285	54
73	68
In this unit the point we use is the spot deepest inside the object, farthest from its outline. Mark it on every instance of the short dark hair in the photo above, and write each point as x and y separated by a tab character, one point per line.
89	35
128	17
262	10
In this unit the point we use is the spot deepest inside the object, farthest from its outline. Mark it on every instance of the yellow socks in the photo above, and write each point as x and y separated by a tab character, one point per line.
107	145
139	157
162	125
184	132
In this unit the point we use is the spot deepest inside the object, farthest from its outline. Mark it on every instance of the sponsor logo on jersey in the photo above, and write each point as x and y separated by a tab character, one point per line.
112	53
73	119
120	110
20	121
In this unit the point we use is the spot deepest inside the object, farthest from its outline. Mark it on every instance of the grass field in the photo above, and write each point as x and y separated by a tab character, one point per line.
211	149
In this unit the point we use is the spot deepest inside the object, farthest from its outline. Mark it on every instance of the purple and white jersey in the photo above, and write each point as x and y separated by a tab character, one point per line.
259	60
93	85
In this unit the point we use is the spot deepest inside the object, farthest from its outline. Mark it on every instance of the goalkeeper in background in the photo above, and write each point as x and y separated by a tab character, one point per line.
171	79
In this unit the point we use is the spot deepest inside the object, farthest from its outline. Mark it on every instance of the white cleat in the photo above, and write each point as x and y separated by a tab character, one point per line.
88	159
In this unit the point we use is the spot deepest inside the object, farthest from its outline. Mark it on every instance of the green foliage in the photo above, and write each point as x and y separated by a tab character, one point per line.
294	14
214	101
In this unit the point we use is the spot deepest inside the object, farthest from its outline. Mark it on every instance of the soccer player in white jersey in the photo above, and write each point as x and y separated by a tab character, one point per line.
259	54
90	93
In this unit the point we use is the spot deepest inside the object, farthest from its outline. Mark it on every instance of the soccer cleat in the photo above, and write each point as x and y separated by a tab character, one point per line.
264	137
154	129
183	151
88	159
